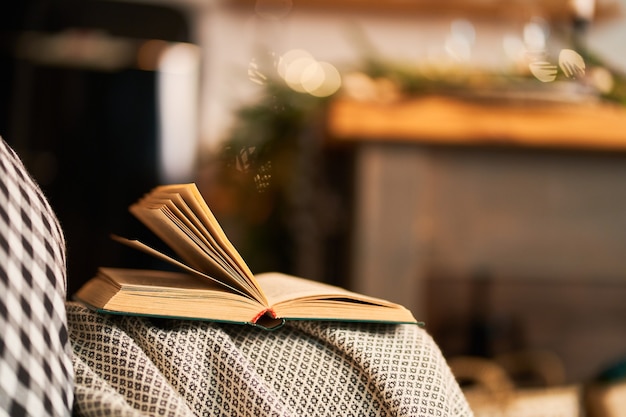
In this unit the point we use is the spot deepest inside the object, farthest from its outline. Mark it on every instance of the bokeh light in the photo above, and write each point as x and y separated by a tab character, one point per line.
179	58
326	82
460	41
514	48
602	79
304	74
536	34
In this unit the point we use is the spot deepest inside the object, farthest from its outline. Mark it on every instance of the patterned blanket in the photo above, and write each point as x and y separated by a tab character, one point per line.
131	366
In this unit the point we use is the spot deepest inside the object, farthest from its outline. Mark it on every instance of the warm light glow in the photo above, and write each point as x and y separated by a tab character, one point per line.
312	76
288	58
514	48
179	58
359	86
584	9
602	79
458	48
535	35
178	76
323	81
305	74
294	75
462	28
459	42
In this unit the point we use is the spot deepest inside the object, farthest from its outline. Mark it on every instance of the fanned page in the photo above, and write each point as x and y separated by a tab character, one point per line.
229	284
180	212
191	194
180	217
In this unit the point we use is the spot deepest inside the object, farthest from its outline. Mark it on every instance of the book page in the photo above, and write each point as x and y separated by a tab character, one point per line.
179	241
294	298
231	284
181	213
281	288
192	196
156	215
157	280
209	249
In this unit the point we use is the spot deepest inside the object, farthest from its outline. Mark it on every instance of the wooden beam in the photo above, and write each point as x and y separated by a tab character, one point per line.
453	121
554	10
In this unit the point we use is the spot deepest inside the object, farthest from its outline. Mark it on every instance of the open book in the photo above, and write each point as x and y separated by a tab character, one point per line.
214	282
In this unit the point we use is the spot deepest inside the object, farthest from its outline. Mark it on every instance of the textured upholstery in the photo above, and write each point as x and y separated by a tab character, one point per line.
36	373
134	366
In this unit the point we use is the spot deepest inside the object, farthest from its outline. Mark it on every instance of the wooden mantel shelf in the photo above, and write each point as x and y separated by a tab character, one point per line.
450	121
552	10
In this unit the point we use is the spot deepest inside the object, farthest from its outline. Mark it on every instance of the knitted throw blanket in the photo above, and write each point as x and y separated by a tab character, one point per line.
132	366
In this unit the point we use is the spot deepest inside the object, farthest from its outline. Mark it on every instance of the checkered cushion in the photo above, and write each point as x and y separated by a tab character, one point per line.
36	374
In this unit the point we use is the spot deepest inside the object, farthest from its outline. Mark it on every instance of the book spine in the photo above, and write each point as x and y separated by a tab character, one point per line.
268	311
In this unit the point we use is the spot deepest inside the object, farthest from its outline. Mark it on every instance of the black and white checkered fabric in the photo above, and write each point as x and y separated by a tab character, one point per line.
36	373
132	366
